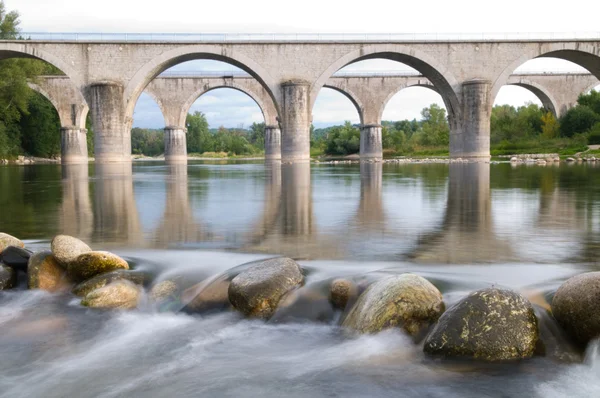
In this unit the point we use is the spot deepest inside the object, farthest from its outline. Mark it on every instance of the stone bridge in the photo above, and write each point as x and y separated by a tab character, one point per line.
468	74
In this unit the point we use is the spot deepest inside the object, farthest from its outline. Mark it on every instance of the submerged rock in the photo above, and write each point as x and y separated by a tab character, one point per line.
67	248
9	240
102	280
204	297
164	290
256	291
489	324
90	264
341	290
117	295
576	306
407	301
45	273
16	257
306	304
8	277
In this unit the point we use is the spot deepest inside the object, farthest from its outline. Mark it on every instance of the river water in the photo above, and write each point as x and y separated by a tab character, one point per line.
462	226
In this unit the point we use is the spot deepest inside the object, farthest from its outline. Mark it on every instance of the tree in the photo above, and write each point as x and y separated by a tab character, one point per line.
578	119
550	127
257	135
591	100
343	140
199	139
40	128
436	130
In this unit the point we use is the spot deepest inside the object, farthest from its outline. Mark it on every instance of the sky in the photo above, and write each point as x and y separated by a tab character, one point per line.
230	108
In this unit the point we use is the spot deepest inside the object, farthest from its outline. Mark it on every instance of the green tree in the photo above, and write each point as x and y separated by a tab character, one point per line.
199	139
550	126
436	131
578	119
343	140
257	135
40	128
591	100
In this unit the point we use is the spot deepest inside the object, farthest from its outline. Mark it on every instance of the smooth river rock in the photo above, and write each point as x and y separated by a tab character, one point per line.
93	263
203	297
408	301
83	288
16	257
489	324
340	291
256	291
67	248
9	240
576	306
45	273
8	277
117	295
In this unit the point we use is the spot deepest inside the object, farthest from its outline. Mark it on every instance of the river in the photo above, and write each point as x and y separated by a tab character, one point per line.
462	226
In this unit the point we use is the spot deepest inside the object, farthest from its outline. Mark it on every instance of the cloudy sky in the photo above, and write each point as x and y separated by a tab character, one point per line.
226	107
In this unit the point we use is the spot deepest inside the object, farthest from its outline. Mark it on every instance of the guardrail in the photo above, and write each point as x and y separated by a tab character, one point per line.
391	73
296	37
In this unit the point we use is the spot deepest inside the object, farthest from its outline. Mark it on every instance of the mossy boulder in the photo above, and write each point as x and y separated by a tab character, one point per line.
45	273
83	288
164	290
576	306
67	248
117	295
489	325
408	301
341	291
9	240
90	264
256	291
8	277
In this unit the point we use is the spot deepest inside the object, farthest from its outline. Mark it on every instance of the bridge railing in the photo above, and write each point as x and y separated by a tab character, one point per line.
294	37
391	73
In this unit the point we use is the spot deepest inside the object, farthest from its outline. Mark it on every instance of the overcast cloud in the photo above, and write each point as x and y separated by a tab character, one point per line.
233	109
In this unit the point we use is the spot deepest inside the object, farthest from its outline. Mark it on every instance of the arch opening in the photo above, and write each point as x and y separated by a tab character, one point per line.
182	55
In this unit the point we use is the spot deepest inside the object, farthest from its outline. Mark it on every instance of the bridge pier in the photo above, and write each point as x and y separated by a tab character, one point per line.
470	137
272	143
73	145
370	142
175	144
295	138
112	138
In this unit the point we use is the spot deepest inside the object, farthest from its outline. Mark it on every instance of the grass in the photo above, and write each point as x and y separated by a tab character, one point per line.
562	146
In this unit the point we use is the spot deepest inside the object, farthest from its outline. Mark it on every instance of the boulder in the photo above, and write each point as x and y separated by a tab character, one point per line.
164	290
8	277
576	308
117	295
9	240
90	264
44	272
16	257
256	291
83	288
204	297
340	291
489	324
408	301
67	248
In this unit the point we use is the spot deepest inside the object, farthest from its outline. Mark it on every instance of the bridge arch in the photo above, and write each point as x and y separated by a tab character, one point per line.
25	50
164	61
268	109
72	112
545	96
417	83
355	99
582	54
434	70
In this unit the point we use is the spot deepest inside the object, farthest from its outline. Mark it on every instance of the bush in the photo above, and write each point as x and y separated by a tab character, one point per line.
594	136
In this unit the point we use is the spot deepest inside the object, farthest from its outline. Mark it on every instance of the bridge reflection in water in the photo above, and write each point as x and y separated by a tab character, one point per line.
380	216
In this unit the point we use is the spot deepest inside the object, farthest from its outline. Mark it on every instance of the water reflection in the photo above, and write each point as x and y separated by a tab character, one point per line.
178	224
370	214
462	213
467	231
116	219
76	213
